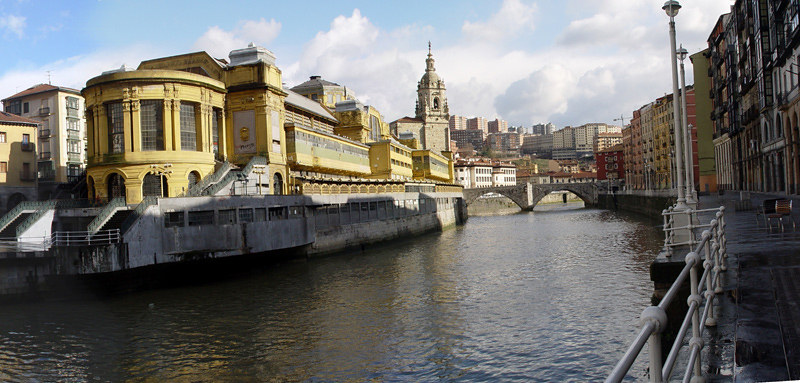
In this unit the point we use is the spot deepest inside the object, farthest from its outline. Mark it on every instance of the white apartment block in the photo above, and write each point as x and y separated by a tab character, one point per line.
478	173
61	137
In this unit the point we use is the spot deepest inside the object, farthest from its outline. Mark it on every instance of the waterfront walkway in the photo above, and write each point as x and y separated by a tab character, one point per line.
758	335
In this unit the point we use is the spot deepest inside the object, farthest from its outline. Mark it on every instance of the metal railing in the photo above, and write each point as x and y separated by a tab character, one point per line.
198	188
60	238
85	238
669	215
16	211
654	318
105	214
232	176
43	208
138	212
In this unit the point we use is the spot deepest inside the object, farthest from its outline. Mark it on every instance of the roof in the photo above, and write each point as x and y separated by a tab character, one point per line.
314	82
10	118
308	105
41	88
407	119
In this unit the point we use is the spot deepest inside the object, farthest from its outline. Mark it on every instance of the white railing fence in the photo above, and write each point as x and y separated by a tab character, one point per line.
712	246
60	238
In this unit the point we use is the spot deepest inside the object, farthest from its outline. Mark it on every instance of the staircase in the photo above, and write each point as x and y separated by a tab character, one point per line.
11	229
116	220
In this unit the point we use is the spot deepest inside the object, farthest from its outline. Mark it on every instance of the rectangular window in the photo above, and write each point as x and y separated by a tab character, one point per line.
188	127
245	215
261	214
152	123
275	121
4	167
72	103
174	219
203	217
215	130
2	137
74	146
116	130
227	217
26	138
25	108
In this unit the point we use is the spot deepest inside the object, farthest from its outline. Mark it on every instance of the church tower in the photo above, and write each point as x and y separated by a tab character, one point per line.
432	108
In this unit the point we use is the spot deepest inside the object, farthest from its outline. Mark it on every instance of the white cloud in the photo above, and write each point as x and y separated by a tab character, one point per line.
13	24
512	17
73	72
219	42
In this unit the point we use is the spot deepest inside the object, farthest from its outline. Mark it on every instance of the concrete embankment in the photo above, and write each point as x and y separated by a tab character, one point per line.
646	204
198	235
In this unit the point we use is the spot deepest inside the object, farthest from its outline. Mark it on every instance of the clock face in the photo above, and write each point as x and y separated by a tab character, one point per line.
244	134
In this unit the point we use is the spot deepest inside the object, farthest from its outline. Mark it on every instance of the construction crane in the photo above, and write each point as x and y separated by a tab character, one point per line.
622	119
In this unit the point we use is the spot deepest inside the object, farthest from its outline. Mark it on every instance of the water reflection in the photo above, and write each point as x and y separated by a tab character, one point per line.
543	296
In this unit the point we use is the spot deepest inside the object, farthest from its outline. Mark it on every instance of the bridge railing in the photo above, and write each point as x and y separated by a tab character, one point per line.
712	246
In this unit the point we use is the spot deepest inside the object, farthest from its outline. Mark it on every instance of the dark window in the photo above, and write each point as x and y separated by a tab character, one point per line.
25	107
245	215
116	131
227	217
174	219
152	124
203	217
188	127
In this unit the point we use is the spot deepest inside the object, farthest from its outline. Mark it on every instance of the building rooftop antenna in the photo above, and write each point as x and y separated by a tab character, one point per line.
48	78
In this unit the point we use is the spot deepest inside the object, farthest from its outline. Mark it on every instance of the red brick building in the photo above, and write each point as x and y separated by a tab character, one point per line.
610	163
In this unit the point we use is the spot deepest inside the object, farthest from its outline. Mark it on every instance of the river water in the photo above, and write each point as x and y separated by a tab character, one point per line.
552	295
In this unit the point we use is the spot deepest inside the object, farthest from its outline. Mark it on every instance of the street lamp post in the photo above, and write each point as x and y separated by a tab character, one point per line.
690	198
260	170
161	171
671	7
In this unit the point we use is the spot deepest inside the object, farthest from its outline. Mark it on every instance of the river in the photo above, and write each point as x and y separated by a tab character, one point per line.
552	295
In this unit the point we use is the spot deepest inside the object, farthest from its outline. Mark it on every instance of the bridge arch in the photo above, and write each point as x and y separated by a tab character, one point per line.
527	196
518	194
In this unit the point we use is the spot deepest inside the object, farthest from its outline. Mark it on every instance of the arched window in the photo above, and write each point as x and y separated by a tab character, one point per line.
116	186
194	178
277	183
92	194
152	185
436	103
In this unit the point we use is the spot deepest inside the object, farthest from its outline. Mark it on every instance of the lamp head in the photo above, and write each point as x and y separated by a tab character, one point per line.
671	7
682	53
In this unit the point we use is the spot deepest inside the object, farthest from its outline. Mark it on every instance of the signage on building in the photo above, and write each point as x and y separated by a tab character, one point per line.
244	133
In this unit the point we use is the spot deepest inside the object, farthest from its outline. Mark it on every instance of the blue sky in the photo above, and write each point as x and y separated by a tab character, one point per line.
569	62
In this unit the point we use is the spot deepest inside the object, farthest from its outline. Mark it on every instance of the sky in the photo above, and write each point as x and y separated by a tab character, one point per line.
568	62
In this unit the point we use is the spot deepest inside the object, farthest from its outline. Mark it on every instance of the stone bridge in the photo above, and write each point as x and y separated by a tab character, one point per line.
526	196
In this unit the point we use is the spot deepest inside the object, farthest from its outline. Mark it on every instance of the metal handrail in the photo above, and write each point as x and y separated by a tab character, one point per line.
138	212
85	238
105	214
16	211
231	176
198	188
654	318
43	208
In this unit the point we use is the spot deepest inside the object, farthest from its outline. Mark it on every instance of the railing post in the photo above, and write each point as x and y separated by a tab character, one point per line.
690	226
710	264
722	241
658	317
695	298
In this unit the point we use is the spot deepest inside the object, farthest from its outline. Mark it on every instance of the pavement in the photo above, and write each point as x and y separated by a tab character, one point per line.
757	338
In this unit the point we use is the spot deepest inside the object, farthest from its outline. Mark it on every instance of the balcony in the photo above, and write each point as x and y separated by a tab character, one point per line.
74	157
45	155
27	176
47	175
44	111
28	146
44	133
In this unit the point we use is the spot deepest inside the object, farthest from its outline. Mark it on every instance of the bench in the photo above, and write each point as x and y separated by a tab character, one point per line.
782	208
767	207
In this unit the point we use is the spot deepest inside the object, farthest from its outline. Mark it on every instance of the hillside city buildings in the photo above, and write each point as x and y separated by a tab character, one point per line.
177	123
